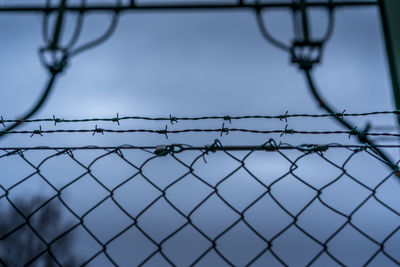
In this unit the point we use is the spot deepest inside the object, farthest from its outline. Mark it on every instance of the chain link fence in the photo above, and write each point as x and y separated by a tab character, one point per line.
180	205
177	205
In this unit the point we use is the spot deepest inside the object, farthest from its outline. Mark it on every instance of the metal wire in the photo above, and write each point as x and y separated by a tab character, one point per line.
267	188
229	118
221	131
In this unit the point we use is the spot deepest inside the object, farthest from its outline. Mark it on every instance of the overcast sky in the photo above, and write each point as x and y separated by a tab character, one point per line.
193	64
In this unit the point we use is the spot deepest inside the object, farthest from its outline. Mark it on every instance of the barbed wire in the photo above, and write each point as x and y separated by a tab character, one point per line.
173	119
222	131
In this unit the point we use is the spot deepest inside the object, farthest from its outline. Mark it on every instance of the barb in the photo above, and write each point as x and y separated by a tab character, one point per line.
173	119
97	130
224	130
287	131
37	131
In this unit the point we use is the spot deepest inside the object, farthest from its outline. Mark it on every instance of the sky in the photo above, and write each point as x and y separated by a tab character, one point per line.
196	64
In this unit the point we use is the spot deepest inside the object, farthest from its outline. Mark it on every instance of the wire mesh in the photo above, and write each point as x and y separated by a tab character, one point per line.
273	204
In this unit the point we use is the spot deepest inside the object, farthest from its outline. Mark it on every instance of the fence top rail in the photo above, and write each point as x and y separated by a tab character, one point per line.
216	146
180	6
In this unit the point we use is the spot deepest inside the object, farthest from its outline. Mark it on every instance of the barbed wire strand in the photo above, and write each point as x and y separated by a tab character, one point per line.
222	131
173	119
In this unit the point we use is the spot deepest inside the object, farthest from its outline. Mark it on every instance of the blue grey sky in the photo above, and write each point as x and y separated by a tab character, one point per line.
198	64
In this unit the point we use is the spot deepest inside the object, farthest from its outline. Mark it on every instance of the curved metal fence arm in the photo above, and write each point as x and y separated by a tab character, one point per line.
58	62
45	94
360	134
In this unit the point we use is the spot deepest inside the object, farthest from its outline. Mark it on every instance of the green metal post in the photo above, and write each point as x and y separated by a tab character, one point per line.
390	14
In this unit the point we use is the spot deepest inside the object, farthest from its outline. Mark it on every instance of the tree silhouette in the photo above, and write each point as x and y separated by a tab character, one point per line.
26	229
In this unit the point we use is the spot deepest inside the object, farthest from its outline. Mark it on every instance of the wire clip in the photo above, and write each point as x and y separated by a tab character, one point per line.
164	150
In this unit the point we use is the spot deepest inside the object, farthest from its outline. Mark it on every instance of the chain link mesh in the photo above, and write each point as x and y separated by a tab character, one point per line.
205	206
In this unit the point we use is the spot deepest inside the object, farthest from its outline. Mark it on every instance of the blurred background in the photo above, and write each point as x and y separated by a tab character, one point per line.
199	63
